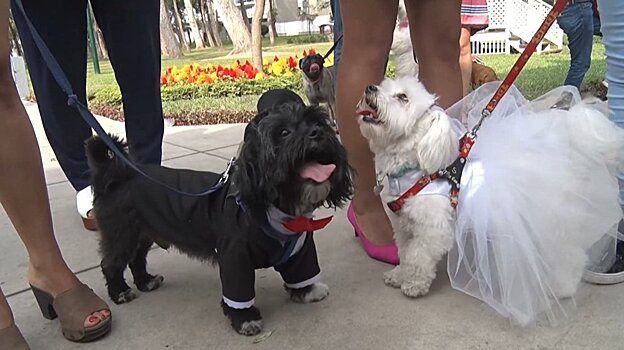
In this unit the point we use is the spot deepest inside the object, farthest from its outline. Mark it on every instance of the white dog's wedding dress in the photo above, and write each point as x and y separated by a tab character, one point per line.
534	198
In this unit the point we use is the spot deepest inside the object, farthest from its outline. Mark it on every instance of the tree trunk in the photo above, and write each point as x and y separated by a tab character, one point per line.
180	25
272	30
214	24
168	42
190	13
14	36
206	23
244	14
234	25
99	41
256	35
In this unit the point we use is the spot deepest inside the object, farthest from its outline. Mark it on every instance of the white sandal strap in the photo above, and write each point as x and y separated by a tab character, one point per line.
84	201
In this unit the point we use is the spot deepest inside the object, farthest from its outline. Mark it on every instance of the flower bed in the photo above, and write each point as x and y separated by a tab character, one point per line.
195	74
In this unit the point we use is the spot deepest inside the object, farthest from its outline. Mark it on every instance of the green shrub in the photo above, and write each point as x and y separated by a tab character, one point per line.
308	39
264	29
111	96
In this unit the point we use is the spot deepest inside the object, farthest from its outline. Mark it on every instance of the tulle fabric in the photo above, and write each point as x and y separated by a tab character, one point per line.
533	198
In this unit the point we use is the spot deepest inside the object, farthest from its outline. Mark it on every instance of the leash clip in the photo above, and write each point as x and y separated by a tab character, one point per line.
226	174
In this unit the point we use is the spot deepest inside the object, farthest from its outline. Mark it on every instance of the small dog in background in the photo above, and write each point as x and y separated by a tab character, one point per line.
318	83
405	61
290	163
481	73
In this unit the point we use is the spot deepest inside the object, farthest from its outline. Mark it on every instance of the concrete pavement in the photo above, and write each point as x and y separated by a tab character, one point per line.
360	313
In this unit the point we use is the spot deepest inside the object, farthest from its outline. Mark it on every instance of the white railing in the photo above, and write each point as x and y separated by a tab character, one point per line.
519	18
525	16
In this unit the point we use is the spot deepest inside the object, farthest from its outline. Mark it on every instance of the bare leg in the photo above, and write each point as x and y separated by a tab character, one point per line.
363	58
465	59
23	191
435	30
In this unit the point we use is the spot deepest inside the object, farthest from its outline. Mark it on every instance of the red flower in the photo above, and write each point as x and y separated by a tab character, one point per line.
312	52
292	63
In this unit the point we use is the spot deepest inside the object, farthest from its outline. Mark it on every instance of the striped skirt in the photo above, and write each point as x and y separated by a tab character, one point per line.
474	15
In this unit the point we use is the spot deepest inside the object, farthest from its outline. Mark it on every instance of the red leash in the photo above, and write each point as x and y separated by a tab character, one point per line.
454	171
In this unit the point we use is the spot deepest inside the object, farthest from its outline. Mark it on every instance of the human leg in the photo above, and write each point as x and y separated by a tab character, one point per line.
132	33
23	193
335	8
59	23
363	57
465	59
577	22
435	31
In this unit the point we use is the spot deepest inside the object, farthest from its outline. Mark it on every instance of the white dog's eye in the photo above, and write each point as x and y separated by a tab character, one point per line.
401	97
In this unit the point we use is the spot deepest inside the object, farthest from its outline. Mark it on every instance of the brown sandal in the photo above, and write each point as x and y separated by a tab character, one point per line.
12	338
90	222
73	307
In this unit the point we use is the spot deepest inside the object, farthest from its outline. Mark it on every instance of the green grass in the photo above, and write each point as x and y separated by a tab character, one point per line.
541	74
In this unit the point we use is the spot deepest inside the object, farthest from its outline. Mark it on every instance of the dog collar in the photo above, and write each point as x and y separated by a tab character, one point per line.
288	224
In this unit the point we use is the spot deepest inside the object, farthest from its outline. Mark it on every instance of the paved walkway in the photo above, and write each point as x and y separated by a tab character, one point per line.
360	313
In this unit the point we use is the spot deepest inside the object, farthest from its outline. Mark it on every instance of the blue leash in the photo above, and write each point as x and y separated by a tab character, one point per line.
73	101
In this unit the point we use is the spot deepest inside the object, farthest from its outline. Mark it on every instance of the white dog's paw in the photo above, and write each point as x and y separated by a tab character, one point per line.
565	288
393	277
309	294
415	289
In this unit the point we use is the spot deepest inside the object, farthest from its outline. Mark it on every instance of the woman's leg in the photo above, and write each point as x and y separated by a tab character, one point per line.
465	59
23	192
612	27
368	27
435	30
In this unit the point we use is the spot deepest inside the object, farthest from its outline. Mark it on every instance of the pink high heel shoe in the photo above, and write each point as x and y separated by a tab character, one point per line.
387	253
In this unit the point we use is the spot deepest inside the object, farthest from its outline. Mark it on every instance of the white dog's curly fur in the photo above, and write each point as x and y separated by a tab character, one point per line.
405	130
423	231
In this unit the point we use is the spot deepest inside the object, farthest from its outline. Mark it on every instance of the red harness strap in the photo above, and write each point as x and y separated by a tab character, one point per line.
454	171
452	174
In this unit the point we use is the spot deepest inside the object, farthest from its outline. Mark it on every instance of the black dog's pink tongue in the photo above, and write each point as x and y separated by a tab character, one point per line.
317	172
314	67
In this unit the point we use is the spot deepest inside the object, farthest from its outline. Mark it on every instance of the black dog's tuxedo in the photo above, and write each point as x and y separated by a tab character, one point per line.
290	163
243	243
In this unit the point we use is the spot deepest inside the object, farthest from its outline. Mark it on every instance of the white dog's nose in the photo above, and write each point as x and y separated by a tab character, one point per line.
371	88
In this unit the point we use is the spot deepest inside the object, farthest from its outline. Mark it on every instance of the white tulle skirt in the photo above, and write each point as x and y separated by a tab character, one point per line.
538	191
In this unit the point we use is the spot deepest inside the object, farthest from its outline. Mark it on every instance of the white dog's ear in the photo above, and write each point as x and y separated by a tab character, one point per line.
439	146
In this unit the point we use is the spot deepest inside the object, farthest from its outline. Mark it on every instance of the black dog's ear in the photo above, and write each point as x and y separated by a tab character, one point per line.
251	177
252	126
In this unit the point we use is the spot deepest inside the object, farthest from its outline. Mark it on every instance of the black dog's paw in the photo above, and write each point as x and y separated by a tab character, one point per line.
123	297
153	283
244	321
310	294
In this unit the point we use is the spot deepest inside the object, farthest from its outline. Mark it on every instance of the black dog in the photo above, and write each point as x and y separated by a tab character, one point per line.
290	163
318	83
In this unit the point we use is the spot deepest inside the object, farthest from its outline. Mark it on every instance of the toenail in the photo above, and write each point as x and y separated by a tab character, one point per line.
93	320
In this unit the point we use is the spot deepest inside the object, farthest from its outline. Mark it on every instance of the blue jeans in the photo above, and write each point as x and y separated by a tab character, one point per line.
577	21
611	15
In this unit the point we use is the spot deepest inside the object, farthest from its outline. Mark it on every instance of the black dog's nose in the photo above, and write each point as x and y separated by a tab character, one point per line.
314	133
371	88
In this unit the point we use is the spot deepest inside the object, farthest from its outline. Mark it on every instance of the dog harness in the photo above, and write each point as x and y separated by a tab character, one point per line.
447	179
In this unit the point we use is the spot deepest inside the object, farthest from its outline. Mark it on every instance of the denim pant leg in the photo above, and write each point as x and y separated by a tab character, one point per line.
335	8
578	23
612	27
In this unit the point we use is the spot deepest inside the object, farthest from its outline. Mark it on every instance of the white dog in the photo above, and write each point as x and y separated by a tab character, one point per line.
538	190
